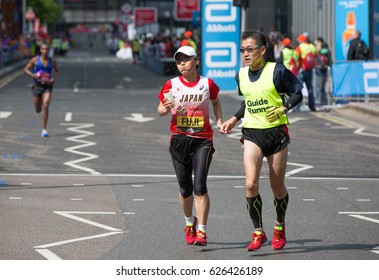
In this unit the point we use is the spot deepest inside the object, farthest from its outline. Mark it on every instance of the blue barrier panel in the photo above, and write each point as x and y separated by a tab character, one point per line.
355	78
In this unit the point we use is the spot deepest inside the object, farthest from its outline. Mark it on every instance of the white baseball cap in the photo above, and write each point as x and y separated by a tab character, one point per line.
187	50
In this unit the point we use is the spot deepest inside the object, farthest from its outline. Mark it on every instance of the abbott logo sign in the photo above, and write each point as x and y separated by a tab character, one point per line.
221	36
216	51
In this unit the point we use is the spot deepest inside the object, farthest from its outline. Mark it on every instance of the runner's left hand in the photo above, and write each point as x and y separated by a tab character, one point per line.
274	113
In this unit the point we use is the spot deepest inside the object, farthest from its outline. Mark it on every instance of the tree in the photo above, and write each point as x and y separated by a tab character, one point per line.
46	10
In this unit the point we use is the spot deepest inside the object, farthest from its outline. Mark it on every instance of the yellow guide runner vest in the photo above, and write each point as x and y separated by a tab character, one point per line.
259	96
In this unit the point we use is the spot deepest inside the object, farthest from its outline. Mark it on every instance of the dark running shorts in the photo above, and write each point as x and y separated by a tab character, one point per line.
183	148
270	140
39	89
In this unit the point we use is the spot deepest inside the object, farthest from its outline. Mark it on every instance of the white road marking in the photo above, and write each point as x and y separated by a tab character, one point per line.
129	213
174	176
346	124
137	117
360	130
375	250
358	213
292	188
363	199
308	199
365	218
5	115
78	184
59	243
342	188
138	199
296	119
68	117
42	249
76	86
76	199
128	79
78	127
239	187
25	184
137	186
15	197
69	214
301	168
48	254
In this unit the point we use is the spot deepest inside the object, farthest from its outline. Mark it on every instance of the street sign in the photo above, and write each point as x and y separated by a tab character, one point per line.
145	15
183	9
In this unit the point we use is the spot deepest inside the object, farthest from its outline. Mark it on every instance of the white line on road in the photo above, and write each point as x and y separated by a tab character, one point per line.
25	184
365	218
174	176
357	213
375	250
76	199
137	186
76	240
15	197
363	199
5	115
48	254
76	86
129	213
68	214
301	168
68	117
78	128
308	199
342	188
360	130
138	199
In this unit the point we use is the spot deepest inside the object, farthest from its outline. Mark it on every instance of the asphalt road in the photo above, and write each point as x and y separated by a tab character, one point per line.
102	185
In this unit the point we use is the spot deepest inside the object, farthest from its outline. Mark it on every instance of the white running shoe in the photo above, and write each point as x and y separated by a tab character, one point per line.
44	133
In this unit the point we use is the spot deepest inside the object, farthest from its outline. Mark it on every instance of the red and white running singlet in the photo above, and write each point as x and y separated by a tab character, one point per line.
190	115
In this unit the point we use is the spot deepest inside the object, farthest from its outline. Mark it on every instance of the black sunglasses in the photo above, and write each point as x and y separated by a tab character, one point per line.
249	49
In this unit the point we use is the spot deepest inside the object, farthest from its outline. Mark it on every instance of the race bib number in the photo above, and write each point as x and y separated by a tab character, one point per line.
45	77
193	122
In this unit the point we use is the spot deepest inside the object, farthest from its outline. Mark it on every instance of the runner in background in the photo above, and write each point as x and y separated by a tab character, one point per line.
43	70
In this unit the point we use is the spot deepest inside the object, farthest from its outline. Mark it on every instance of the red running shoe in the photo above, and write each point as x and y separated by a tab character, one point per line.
191	232
279	238
258	239
201	238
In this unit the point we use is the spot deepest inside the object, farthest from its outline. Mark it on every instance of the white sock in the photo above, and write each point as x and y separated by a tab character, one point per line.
202	228
189	221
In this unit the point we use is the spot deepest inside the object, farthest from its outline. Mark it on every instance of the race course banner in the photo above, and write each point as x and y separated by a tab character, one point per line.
220	42
355	78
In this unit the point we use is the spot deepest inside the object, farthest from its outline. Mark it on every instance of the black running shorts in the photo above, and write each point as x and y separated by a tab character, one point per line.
270	140
38	89
191	155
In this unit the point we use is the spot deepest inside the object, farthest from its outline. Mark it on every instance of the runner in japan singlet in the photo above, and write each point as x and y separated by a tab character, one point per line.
190	114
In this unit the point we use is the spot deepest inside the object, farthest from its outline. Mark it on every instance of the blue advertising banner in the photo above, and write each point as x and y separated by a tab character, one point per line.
350	15
355	78
376	30
220	35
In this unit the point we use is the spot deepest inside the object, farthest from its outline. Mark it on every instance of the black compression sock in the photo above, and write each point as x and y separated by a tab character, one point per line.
254	207
281	207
